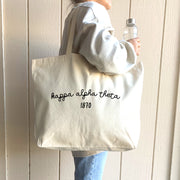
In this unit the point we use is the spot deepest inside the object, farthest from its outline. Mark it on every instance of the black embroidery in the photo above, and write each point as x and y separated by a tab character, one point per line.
83	94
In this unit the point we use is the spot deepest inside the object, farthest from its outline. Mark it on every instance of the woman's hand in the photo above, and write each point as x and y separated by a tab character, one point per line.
137	45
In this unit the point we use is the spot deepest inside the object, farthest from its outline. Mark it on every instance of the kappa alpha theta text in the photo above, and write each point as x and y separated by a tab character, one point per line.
83	94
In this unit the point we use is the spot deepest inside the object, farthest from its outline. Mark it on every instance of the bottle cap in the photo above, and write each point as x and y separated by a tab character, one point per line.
130	22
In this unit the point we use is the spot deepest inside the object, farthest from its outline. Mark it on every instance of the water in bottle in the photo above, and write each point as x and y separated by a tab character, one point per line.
130	31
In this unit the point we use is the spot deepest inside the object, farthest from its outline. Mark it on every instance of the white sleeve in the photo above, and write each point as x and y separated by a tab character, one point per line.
103	50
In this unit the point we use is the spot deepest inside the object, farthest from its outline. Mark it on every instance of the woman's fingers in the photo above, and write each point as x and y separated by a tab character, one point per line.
137	44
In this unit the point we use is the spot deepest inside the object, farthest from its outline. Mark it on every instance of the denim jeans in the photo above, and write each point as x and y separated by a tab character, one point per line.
90	167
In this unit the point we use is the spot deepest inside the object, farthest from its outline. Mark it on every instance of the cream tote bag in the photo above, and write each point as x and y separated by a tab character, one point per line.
78	108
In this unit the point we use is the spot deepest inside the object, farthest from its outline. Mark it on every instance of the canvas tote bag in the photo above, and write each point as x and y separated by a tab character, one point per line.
79	108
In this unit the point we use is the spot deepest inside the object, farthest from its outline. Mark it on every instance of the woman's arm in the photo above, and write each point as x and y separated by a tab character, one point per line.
103	50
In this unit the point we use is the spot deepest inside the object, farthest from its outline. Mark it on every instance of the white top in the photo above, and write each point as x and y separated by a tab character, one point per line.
94	39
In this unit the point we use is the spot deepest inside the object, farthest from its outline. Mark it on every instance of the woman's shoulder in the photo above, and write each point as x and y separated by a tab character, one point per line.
94	9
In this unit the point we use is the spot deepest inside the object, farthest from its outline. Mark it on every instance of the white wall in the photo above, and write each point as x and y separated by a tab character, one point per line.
32	29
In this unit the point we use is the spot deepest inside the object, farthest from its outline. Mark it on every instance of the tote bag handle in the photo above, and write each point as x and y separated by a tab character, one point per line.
71	31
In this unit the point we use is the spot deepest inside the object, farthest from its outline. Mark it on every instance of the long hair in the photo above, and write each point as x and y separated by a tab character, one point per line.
77	1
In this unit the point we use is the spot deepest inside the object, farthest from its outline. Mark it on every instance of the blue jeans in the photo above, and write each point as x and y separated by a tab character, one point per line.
90	167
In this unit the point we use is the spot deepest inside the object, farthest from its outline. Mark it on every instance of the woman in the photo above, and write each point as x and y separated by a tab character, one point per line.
95	41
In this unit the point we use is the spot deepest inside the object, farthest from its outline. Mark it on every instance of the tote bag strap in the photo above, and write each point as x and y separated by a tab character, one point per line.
71	31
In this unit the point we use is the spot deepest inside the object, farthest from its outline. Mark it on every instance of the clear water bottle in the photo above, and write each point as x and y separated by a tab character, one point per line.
130	31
